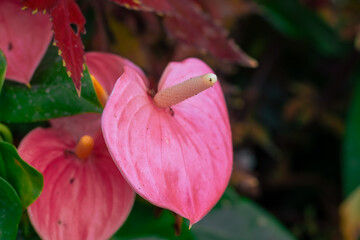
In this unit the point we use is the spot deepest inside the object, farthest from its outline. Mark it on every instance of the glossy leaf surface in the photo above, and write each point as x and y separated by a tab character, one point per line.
10	211
232	218
3	67
25	180
148	221
239	218
51	95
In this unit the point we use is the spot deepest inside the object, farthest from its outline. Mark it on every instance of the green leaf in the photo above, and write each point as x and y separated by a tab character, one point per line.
238	218
5	134
2	69
142	238
26	230
10	211
149	222
295	20
52	94
232	218
351	149
26	181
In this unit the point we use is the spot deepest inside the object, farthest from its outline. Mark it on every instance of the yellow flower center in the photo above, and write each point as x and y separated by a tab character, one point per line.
84	147
101	94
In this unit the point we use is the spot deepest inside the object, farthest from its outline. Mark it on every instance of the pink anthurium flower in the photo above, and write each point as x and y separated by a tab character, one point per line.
176	154
84	196
24	39
107	68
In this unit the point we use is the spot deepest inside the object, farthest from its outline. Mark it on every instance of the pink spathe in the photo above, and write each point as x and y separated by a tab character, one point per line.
107	68
24	39
82	199
180	159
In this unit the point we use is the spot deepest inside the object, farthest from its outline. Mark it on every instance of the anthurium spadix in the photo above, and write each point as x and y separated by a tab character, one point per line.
173	148
84	195
24	38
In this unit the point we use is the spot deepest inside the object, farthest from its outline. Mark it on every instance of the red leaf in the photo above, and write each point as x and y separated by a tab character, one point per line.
39	5
186	21
65	13
161	6
69	42
129	3
191	26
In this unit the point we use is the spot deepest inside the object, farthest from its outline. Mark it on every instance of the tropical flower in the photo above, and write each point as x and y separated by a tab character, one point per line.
24	39
176	154
84	195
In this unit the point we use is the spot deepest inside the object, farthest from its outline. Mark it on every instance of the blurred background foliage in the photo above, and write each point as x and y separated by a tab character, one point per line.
295	118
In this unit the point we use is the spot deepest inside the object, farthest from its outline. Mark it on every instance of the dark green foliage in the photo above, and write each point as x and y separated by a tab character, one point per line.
10	211
51	95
